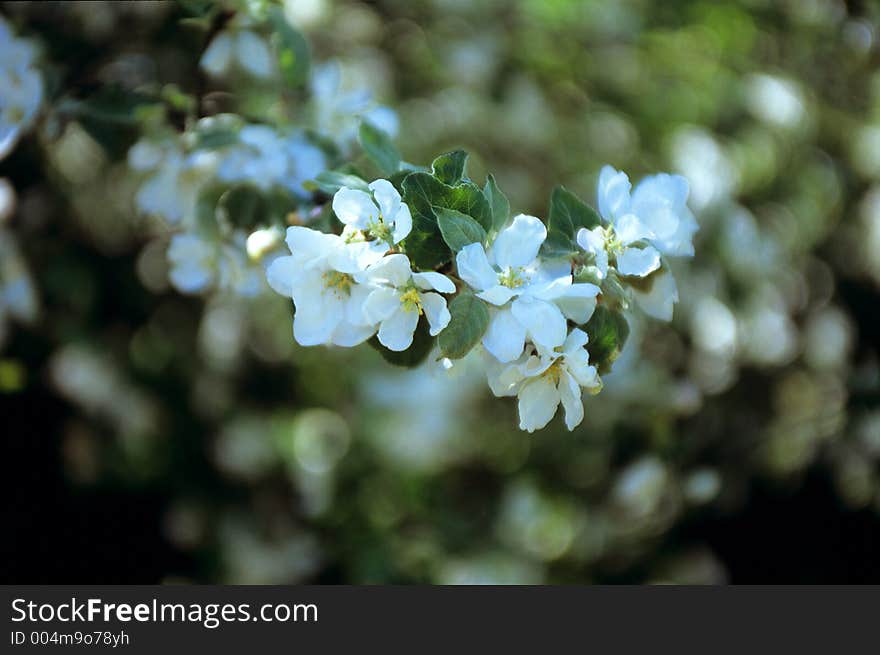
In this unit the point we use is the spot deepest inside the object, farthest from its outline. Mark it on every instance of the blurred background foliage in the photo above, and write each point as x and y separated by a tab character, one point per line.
156	437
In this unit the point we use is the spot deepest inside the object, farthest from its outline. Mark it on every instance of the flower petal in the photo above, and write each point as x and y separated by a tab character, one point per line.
505	338
660	299
387	198
593	242
474	268
497	295
543	321
253	54
434	306
355	207
315	322
281	273
432	280
570	395
354	307
381	304
402	224
538	400
630	229
393	269
518	244
613	193
575	340
348	335
215	59
638	261
396	331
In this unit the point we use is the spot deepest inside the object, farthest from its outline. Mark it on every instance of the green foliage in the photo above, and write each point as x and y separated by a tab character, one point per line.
459	229
608	332
379	147
498	203
449	168
470	319
567	215
292	48
331	181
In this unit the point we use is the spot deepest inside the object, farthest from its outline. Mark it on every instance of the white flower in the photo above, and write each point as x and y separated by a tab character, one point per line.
305	162
544	379
656	214
245	49
21	87
382	216
659	299
174	180
198	264
260	157
401	297
337	112
325	277
534	298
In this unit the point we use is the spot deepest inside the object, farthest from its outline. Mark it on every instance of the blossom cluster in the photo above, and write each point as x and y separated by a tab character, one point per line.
530	307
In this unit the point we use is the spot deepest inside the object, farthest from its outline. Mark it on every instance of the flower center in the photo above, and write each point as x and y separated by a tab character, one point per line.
411	301
512	277
338	283
554	373
380	230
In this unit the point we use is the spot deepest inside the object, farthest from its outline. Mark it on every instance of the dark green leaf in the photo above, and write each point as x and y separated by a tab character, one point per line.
608	332
206	209
292	48
379	148
458	229
470	319
568	214
498	203
422	344
449	168
243	206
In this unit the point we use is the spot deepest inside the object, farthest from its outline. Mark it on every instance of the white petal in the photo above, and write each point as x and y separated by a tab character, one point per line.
402	224
355	207
354	307
393	269
613	193
497	295
348	335
593	242
191	277
659	301
396	331
474	267
387	198
630	229
505	338
518	244
281	274
253	53
308	242
381	304
538	400
577	365
434	306
215	60
570	395
638	261
544	322
550	288
575	340
145	155
432	280
315	322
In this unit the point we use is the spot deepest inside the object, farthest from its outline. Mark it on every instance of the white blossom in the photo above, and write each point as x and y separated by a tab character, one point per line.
401	297
534	298
21	87
381	216
199	264
542	379
174	178
325	276
242	49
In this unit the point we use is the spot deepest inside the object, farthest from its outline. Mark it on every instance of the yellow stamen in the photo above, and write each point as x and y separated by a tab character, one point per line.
411	301
512	278
338	283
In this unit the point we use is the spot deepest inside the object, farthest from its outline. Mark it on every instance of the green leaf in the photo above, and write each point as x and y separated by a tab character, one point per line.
498	203
206	209
423	193
331	181
458	229
608	332
292	48
379	148
470	319
422	344
568	214
243	206
449	168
